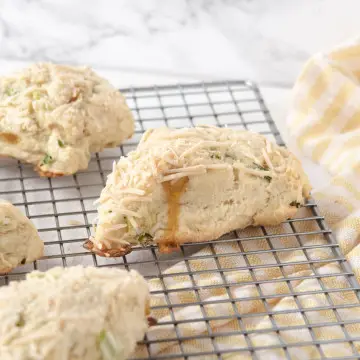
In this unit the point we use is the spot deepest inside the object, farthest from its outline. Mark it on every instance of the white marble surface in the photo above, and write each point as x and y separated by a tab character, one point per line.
138	42
265	40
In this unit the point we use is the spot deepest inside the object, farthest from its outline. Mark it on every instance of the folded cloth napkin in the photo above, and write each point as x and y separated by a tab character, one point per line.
325	123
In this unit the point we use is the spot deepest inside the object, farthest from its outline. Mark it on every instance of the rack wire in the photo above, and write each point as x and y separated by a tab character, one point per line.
63	210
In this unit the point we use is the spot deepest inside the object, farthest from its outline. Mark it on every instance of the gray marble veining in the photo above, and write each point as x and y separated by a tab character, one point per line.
265	40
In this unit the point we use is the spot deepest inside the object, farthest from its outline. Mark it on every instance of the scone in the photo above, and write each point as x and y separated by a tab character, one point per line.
54	116
196	184
19	240
74	314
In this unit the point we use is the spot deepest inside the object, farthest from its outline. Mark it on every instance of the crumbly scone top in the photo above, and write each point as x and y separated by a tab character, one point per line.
166	155
73	313
53	116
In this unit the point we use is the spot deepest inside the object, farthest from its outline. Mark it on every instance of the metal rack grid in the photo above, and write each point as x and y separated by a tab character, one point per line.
62	209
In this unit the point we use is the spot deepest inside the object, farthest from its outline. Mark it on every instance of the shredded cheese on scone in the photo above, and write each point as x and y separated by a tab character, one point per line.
139	196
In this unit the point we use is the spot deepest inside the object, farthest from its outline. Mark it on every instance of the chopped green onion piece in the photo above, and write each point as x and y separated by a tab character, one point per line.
101	336
227	155
61	144
268	178
47	106
260	167
36	95
128	223
145	239
48	159
21	321
10	91
216	156
108	346
263	168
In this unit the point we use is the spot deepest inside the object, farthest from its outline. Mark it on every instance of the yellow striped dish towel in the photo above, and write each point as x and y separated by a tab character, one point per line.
325	121
258	310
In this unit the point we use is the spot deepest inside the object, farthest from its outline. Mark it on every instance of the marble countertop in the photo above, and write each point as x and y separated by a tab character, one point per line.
142	42
264	40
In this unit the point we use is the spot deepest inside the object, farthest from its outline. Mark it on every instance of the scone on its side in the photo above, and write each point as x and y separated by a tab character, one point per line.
75	313
19	240
54	116
196	184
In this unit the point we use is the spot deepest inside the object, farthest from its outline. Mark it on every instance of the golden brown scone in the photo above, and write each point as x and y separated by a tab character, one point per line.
54	116
19	240
196	184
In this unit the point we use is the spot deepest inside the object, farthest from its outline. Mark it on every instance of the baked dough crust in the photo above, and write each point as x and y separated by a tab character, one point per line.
19	240
74	313
55	116
194	185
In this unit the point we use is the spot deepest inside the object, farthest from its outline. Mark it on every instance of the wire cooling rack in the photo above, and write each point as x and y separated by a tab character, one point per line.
63	210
